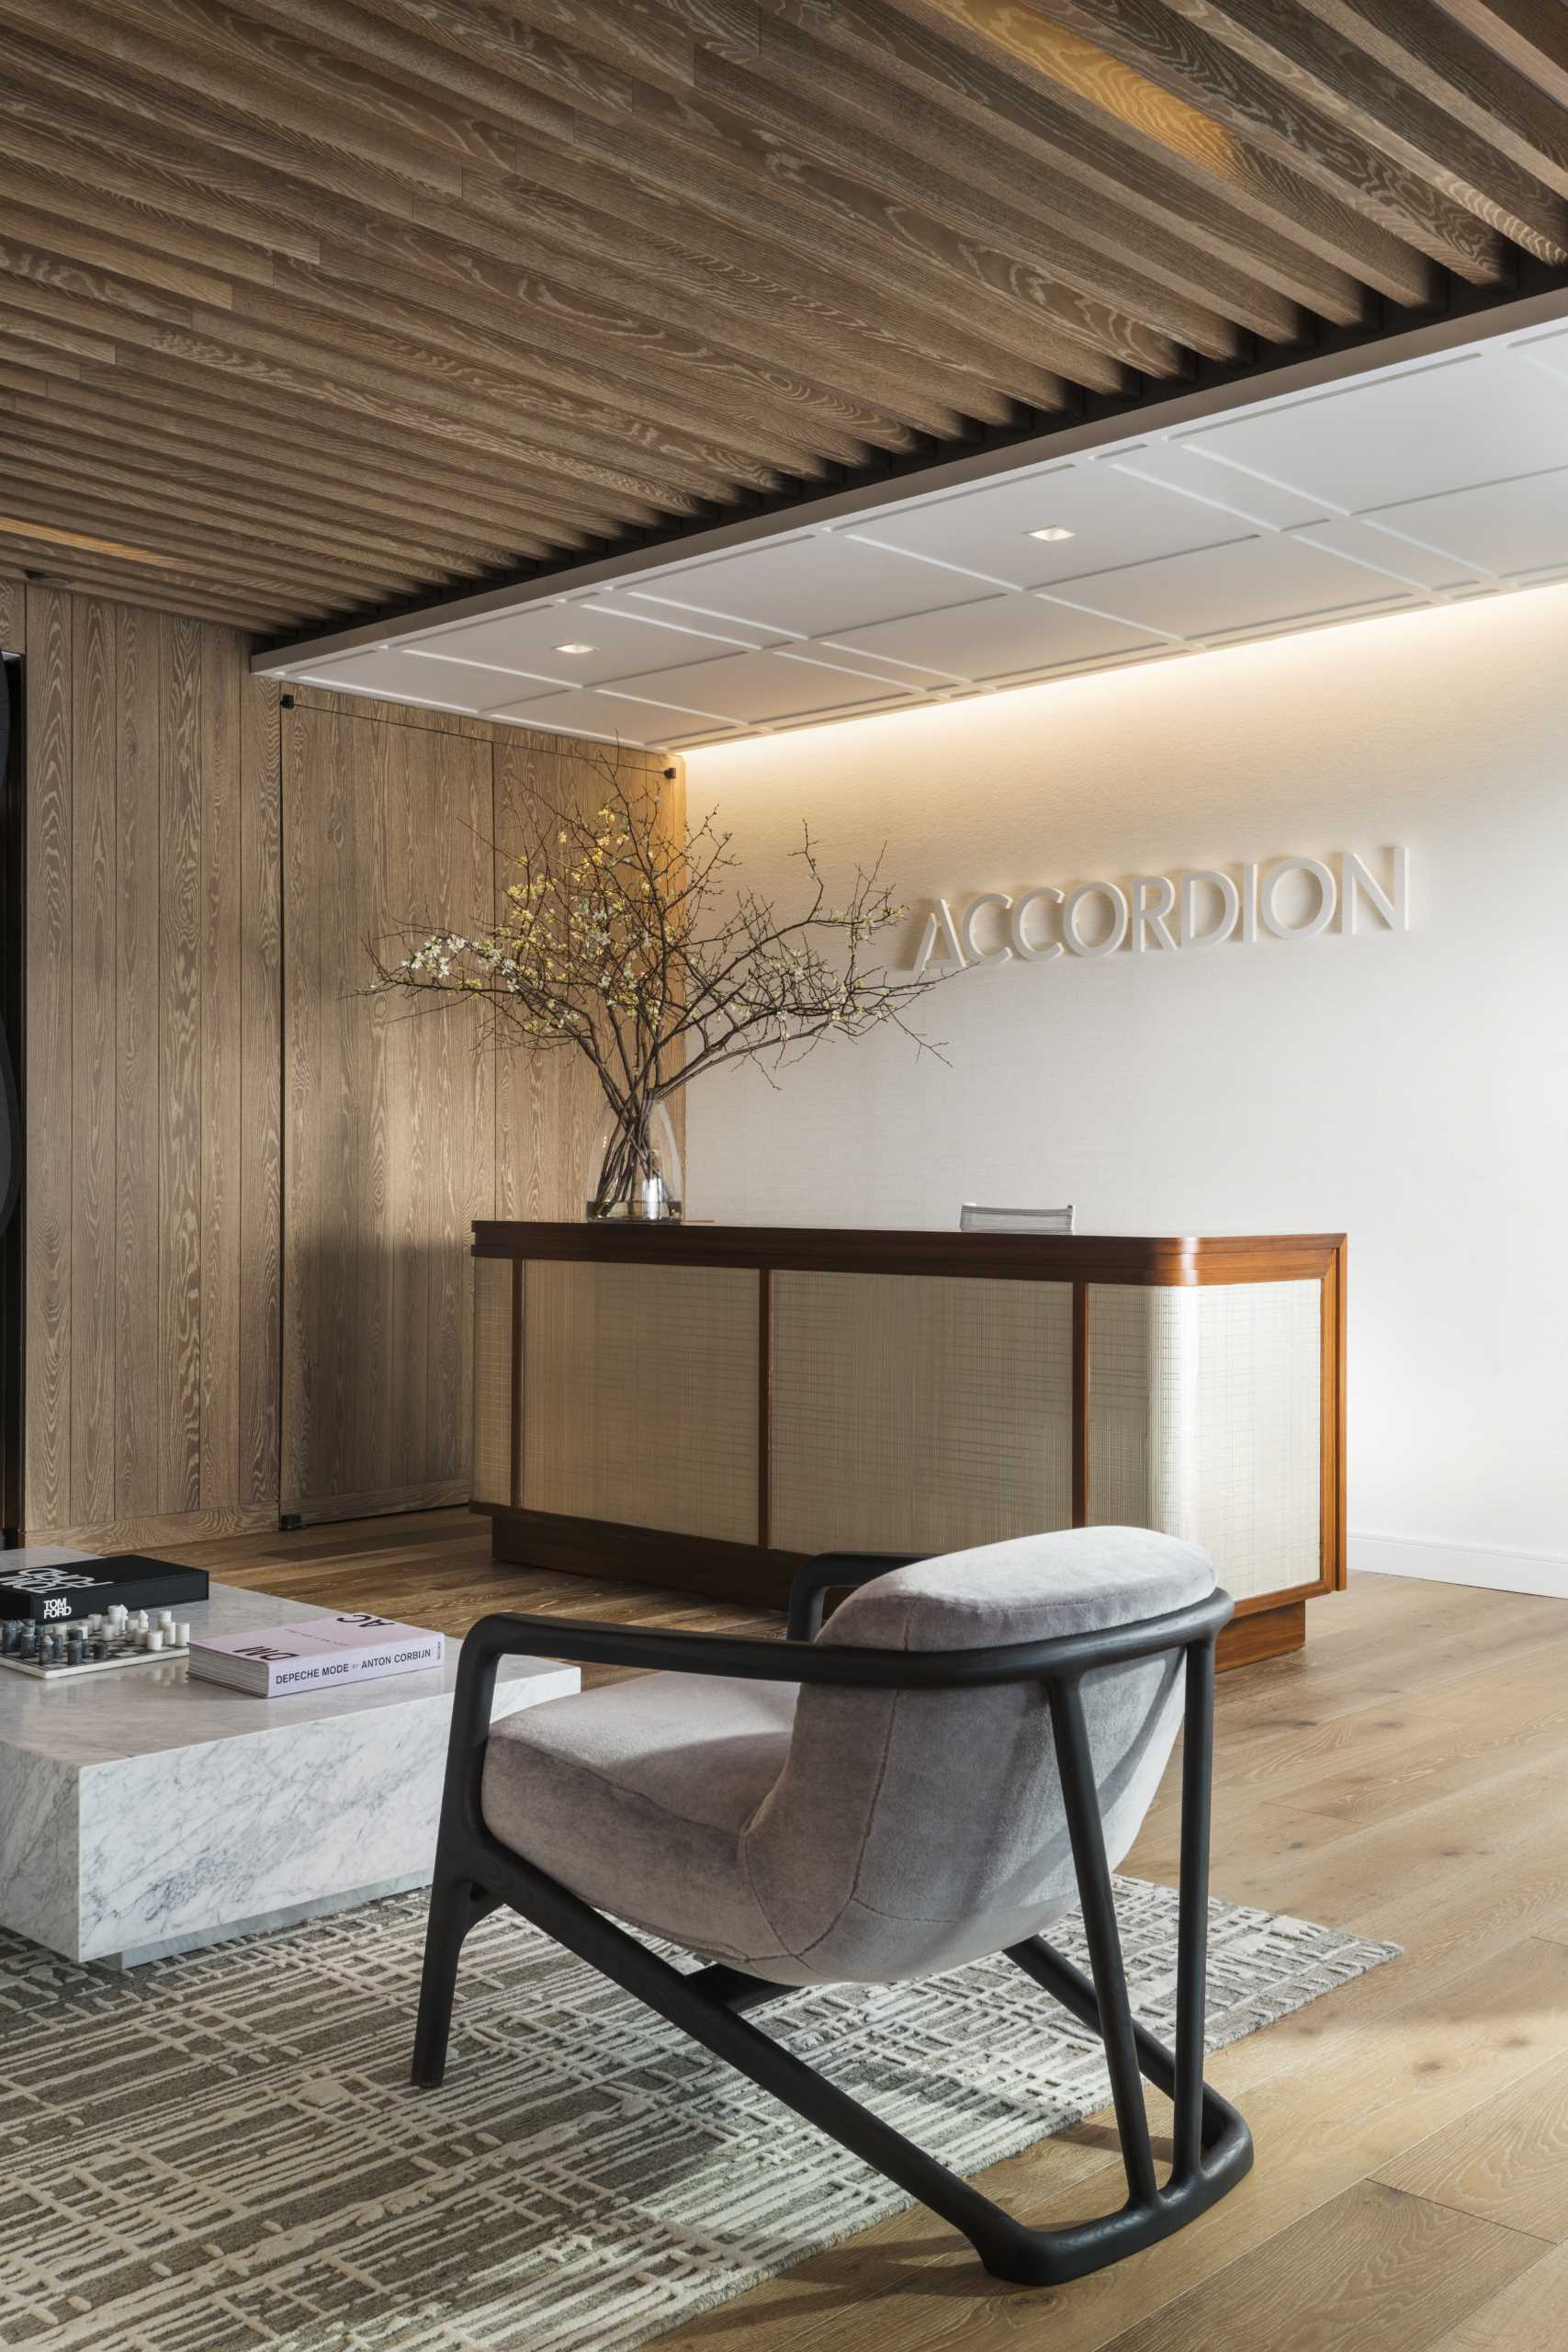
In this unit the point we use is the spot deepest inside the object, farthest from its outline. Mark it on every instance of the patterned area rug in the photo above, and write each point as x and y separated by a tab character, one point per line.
221	2153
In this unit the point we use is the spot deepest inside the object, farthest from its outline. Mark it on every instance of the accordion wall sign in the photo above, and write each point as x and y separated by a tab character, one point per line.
1282	897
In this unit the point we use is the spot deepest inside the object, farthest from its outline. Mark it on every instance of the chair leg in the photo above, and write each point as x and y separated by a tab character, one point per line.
456	1905
1008	2248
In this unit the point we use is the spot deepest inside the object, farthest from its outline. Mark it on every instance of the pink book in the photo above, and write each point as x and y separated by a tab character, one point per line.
318	1654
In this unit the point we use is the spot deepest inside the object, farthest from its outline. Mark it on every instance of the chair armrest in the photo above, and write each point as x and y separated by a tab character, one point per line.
843	1667
835	1572
848	1667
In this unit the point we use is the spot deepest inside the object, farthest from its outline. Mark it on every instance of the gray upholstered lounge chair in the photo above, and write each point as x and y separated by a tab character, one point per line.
965	1751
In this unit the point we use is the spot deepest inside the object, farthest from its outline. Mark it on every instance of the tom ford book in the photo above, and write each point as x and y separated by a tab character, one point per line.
50	1585
321	1653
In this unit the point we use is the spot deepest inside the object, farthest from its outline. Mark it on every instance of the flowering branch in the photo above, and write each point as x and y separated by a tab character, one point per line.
645	955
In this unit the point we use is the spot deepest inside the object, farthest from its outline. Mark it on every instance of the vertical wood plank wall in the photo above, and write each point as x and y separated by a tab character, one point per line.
401	1126
152	1131
248	1188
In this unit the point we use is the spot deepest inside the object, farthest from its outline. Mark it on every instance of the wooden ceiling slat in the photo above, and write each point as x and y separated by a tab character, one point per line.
1188	62
1313	50
317	502
100	158
303	198
65	78
63	236
484	425
204	85
1051	192
36	453
247	355
1123	187
1111	79
76	292
30	491
572	436
910	156
700	148
49	334
50	560
858	333
154	415
754	442
1531	35
354	446
744	383
629	341
1503	109
34	355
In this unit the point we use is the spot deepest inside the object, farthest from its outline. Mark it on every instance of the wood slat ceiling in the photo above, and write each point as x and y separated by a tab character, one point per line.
311	311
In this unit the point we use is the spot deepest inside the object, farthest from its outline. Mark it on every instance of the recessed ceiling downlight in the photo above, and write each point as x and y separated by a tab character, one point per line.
1051	531
576	646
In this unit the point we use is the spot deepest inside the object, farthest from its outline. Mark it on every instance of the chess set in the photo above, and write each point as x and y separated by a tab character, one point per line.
63	1614
120	1636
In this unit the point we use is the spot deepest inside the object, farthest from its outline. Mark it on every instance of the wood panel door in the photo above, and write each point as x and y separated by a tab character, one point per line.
389	1115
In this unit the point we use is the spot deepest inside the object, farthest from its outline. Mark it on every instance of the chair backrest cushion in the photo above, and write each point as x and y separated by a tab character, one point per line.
911	1830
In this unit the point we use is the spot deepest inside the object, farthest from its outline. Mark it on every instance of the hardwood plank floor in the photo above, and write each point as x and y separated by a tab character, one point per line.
1403	1776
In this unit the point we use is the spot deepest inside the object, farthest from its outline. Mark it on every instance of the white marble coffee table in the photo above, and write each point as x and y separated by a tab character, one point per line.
145	1812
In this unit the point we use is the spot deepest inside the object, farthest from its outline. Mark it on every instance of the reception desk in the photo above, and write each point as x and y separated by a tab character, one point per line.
704	1407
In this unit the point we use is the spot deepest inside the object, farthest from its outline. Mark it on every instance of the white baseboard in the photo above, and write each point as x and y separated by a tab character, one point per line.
1500	1568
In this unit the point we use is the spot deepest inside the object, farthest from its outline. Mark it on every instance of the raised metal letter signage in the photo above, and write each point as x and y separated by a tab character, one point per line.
1292	898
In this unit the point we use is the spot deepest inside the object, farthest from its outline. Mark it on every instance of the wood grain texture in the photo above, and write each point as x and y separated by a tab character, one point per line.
179	1011
193	1302
138	1062
317	306
94	973
388	1131
142	1402
49	1089
261	1082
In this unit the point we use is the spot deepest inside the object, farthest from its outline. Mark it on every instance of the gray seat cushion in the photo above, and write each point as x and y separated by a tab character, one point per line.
636	1795
859	1834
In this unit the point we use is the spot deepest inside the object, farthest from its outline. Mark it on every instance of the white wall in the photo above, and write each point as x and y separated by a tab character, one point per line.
1408	1088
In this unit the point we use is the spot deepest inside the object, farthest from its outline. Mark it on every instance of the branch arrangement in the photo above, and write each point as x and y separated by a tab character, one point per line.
646	955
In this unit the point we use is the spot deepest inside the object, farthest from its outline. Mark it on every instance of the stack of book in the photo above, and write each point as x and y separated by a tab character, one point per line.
319	1653
47	1585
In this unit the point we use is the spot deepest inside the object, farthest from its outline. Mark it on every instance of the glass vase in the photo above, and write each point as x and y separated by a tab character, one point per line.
636	1165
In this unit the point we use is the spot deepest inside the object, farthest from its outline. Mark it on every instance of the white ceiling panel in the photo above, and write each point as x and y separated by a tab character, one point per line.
1409	434
620	639
759	686
987	531
398	673
1505	527
629	719
1359	540
999	638
1241	501
1430	483
809	587
1254	585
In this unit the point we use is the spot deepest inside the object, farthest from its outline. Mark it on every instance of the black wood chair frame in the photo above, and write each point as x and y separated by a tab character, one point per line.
1211	2146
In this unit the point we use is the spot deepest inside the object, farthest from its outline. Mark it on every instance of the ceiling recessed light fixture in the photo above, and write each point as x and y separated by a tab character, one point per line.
576	646
1051	531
